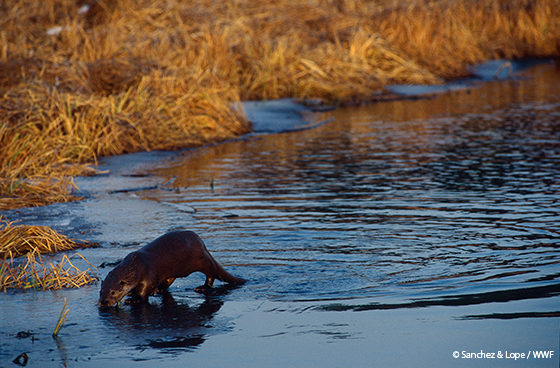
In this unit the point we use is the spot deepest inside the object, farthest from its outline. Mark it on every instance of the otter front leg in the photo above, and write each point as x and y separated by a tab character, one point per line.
164	285
207	287
144	290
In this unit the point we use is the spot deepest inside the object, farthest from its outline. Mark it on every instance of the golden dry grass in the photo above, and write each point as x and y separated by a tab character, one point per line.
445	37
33	272
128	76
18	240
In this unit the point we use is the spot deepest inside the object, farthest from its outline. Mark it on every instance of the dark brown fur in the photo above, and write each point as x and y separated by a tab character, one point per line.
154	268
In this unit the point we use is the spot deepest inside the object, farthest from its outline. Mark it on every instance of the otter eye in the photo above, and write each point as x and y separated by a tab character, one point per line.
112	293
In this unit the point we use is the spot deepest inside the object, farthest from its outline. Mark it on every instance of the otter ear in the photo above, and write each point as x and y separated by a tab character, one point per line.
123	283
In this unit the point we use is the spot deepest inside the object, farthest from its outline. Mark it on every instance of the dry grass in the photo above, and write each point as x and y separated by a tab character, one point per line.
445	37
128	76
31	241
18	240
35	274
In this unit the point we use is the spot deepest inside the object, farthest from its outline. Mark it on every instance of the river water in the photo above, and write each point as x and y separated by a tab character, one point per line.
401	233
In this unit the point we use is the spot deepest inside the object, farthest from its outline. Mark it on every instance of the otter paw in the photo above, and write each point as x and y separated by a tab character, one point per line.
134	300
204	289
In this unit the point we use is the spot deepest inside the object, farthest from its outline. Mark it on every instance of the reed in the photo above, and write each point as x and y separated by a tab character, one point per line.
61	319
127	76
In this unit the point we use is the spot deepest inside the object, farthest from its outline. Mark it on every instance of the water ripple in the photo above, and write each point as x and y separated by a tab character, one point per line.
364	207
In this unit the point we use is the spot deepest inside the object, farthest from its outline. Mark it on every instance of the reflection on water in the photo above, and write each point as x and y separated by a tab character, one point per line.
169	325
439	198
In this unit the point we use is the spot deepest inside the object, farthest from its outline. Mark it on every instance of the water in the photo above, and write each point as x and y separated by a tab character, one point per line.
392	235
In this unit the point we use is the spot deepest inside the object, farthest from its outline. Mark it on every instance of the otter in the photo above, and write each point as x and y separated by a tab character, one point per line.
153	269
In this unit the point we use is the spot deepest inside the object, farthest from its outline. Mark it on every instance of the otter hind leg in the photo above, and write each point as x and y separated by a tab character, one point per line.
207	266
207	287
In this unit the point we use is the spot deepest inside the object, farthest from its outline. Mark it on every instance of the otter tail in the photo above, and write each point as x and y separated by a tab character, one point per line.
225	276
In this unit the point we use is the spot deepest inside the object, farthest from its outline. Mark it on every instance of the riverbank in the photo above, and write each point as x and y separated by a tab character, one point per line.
83	80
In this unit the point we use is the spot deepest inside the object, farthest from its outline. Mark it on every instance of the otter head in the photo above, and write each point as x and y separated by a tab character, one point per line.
118	283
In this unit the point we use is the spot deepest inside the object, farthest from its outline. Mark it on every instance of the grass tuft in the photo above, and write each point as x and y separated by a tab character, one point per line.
32	272
18	240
